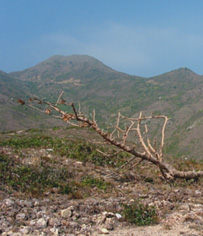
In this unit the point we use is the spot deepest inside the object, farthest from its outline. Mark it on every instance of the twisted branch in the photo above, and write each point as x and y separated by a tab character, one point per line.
147	152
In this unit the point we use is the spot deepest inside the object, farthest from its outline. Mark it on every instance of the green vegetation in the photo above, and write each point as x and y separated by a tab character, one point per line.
27	142
95	182
38	179
140	214
32	179
79	150
46	174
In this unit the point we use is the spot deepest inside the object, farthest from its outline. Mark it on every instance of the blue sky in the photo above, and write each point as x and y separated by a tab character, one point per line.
139	37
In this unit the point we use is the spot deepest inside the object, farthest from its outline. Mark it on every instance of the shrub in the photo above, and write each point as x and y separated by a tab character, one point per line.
140	214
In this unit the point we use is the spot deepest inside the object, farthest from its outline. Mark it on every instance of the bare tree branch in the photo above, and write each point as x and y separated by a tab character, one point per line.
150	154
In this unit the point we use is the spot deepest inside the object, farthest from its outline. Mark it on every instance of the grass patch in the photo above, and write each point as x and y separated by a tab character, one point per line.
79	150
95	182
140	214
28	142
32	179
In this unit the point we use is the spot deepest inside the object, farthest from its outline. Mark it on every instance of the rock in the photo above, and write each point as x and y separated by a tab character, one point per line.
79	163
177	190
198	193
28	203
32	222
110	223
49	150
101	219
67	213
41	223
25	230
36	203
20	216
54	222
41	214
8	202
25	203
104	231
118	216
75	226
55	231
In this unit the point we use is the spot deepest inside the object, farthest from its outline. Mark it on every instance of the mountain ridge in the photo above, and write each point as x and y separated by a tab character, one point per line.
78	57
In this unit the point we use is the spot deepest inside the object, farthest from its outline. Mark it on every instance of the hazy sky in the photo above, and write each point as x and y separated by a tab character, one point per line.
140	37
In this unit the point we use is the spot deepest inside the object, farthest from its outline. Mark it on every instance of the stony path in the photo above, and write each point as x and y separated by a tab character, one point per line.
59	216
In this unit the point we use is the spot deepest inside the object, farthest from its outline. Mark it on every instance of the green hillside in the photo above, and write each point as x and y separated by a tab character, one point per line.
177	94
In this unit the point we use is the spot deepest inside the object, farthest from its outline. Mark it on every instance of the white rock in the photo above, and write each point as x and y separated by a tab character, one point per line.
8	202
41	223
79	163
36	203
49	150
67	213
118	216
197	192
104	231
32	222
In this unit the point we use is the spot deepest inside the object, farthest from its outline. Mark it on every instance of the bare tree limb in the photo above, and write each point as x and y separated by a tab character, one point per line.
150	154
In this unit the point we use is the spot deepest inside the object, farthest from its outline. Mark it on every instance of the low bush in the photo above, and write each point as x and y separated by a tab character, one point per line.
140	214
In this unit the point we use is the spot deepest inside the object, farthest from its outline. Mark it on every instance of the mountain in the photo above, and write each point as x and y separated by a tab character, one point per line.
56	66
177	94
83	79
181	98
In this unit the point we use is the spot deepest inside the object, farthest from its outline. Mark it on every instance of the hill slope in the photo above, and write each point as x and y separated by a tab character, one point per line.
13	116
84	79
54	182
10	89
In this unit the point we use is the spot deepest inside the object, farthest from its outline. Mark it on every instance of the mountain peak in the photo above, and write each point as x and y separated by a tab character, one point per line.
65	67
184	70
75	57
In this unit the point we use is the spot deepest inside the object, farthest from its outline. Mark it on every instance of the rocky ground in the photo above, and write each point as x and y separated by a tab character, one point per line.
56	215
95	210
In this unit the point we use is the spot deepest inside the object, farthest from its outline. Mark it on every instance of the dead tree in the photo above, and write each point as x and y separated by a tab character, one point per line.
118	137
